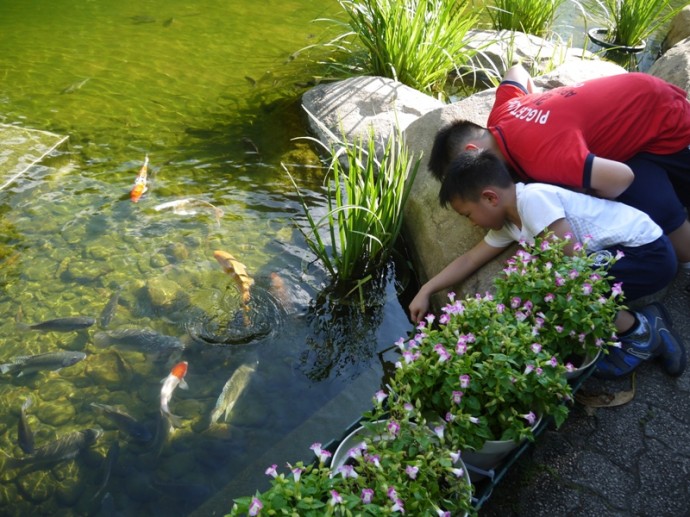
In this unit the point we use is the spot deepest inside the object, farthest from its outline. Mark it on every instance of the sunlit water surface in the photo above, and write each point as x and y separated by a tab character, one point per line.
209	90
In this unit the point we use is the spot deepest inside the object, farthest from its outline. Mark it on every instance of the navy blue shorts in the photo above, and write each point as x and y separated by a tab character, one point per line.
661	187
646	269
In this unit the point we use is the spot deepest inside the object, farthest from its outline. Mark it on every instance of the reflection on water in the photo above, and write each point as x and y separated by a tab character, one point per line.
205	91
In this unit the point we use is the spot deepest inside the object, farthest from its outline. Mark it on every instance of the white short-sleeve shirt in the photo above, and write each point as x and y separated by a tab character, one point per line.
604	222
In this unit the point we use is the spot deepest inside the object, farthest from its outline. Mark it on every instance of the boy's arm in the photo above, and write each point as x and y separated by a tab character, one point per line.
453	273
609	178
561	227
518	74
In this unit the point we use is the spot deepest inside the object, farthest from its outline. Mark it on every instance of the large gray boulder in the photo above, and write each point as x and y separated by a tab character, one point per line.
678	30
674	65
436	235
350	109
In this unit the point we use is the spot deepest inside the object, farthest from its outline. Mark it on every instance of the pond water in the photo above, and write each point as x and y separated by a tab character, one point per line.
209	90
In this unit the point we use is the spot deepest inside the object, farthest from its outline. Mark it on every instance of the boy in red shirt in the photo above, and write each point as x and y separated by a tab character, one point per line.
623	137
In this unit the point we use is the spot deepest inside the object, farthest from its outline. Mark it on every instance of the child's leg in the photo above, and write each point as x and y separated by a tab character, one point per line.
647	333
658	184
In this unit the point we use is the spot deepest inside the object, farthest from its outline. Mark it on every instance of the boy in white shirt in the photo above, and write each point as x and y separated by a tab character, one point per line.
478	186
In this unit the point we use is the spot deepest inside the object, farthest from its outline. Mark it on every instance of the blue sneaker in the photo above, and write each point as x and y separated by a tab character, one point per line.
641	345
672	348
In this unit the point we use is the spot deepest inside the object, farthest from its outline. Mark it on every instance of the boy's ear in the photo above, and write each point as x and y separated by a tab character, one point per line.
491	196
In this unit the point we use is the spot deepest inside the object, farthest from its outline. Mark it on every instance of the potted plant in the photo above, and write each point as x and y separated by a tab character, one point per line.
567	300
481	372
629	23
390	465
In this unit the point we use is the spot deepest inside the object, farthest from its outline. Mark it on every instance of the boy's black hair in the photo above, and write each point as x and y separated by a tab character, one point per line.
449	141
469	173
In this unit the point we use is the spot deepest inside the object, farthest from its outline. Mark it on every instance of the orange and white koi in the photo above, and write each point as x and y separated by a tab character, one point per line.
238	272
141	182
172	381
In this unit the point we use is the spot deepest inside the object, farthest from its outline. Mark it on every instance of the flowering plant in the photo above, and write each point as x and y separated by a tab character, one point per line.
568	300
400	466
481	370
397	467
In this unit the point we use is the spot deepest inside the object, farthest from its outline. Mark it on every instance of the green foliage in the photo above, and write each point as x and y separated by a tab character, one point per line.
365	208
397	467
630	22
417	42
528	16
567	299
481	370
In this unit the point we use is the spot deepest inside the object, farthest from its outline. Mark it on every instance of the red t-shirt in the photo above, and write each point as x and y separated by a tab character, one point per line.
553	136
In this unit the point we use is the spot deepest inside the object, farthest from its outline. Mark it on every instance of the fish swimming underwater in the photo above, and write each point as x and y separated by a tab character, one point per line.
61	324
172	381
63	448
125	422
141	182
28	364
108	312
237	271
25	437
110	459
141	339
231	392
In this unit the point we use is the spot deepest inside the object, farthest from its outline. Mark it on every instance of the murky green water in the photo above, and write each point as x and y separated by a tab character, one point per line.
209	91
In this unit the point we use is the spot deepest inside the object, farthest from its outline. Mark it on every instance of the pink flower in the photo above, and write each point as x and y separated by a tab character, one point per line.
619	254
451	296
549	298
373	458
380	396
322	454
458	472
574	273
411	471
553	361
457	396
617	289
393	427
367	495
587	289
430	318
348	471
515	302
271	471
444	319
443	354
500	308
455	456
461	348
536	347
255	507
530	417
439	430
336	498
464	380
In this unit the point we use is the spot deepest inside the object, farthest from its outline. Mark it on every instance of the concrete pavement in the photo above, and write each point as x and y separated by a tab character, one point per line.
630	460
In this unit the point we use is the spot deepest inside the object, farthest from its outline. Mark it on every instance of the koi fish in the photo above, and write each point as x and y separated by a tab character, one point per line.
25	436
140	183
172	381
238	272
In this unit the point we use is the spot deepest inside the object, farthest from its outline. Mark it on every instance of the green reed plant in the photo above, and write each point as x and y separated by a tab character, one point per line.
631	22
366	196
528	16
416	42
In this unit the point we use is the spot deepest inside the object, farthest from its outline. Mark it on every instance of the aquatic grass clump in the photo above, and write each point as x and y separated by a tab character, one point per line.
366	195
416	42
529	16
631	22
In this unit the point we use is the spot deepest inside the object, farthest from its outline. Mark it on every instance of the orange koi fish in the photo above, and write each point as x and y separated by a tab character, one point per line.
238	272
172	381
140	183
